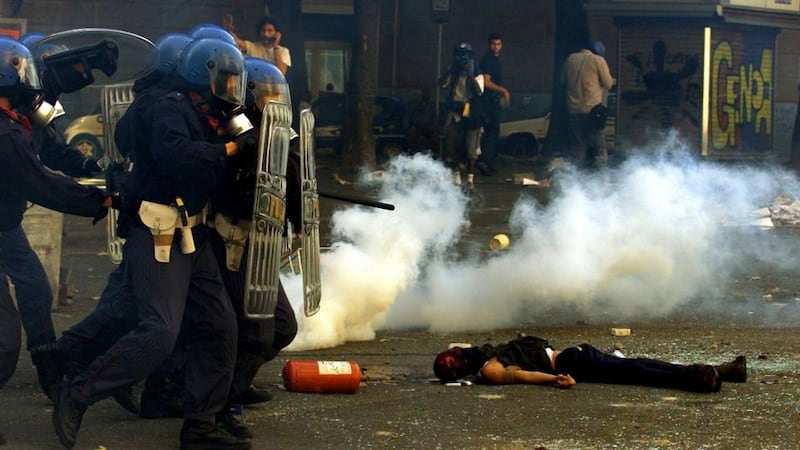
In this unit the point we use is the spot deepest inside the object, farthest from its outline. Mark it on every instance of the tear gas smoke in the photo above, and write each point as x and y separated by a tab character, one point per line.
641	241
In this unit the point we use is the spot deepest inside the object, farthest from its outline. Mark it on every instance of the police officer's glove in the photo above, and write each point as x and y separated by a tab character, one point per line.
102	212
247	144
91	167
113	200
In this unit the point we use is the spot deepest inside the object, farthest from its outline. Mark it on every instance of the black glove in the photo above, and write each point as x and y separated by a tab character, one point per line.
91	167
113	200
247	143
102	212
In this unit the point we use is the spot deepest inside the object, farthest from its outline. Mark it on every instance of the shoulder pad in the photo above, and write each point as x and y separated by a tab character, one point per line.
175	95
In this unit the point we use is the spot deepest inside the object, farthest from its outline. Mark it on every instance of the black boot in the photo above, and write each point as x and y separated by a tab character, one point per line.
227	421
200	435
734	371
251	396
67	416
161	397
51	363
157	404
709	380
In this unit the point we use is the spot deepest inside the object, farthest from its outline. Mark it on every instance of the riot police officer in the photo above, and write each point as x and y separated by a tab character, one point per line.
171	268
116	313
24	178
259	341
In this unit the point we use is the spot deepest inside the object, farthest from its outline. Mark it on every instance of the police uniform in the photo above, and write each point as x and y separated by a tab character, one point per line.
24	178
259	341
116	313
10	334
184	159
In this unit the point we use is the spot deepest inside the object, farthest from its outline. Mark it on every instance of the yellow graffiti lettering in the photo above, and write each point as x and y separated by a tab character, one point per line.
764	109
739	96
721	120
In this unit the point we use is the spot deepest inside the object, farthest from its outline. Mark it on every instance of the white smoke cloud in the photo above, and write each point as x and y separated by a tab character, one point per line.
376	255
641	241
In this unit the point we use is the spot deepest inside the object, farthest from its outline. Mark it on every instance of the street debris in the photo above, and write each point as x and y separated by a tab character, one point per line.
499	242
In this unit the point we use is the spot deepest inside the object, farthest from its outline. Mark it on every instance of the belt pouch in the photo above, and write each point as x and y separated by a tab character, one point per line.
161	220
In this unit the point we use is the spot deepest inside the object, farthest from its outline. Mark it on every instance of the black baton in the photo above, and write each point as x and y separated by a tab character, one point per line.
356	200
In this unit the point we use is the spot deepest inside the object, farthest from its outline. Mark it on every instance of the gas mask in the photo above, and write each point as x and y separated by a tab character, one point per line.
238	123
43	113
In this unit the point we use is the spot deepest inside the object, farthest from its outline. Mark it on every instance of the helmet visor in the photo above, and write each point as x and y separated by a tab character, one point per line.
228	78
264	92
25	67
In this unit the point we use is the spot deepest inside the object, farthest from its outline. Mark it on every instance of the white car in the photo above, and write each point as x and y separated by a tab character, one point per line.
86	134
523	138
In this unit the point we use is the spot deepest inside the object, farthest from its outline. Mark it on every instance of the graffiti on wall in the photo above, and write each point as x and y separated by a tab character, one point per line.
666	94
741	93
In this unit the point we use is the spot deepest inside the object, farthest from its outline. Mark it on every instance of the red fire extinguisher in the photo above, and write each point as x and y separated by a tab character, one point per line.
342	377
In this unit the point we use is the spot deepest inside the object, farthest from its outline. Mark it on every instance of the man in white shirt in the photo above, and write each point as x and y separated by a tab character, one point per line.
269	48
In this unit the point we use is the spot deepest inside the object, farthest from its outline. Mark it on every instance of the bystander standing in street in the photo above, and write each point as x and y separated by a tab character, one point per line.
269	48
587	79
496	98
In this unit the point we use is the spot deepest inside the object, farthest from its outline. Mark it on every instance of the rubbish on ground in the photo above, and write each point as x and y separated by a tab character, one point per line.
620	331
459	344
499	242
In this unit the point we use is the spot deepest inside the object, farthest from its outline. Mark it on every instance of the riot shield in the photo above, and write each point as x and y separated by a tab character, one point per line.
309	256
265	244
137	56
115	100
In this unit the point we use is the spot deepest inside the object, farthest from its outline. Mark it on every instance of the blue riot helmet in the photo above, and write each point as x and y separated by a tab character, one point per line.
20	82
266	82
169	48
28	39
17	68
39	52
208	30
215	66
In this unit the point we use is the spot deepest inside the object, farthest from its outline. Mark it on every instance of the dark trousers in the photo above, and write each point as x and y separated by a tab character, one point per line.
32	288
10	333
258	341
586	142
491	131
114	316
588	364
187	289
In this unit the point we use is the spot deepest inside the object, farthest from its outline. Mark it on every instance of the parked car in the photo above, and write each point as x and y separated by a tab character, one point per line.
86	134
388	125
523	138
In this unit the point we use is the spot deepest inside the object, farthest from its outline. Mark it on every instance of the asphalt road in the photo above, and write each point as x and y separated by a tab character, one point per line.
399	406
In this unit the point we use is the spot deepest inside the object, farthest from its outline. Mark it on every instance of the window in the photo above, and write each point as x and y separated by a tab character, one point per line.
328	63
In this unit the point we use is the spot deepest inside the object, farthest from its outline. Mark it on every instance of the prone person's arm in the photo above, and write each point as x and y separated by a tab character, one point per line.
495	373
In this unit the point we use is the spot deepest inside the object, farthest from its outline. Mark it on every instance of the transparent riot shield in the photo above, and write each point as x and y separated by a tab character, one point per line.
309	256
265	244
115	100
